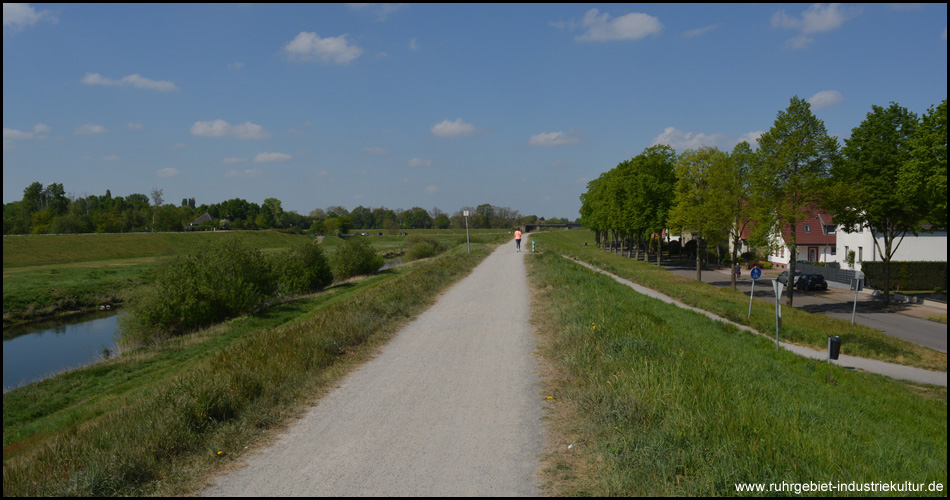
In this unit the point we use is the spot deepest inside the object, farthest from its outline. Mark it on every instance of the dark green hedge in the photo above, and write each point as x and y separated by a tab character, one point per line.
916	276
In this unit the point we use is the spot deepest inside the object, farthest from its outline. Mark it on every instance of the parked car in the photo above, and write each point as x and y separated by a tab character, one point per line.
783	278
811	282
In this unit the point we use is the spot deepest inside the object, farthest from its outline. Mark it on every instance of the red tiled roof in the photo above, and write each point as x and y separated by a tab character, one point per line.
815	235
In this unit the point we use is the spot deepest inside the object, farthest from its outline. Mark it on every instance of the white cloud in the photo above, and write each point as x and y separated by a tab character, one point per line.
236	65
412	44
453	129
10	135
134	126
553	139
375	151
246	174
682	141
17	16
432	189
179	145
111	158
310	47
232	160
819	18
633	26
700	31
221	128
825	99
272	157
135	80
89	129
13	134
41	128
168	172
752	138
419	162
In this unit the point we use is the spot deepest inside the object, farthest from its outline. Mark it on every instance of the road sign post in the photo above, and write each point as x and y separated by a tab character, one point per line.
756	274
467	240
777	287
856	284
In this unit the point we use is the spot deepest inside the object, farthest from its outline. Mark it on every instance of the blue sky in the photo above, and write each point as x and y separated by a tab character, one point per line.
446	106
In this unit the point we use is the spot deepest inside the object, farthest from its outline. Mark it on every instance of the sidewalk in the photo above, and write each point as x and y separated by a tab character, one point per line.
869	365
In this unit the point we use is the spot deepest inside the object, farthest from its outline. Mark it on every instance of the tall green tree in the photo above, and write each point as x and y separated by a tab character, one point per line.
699	205
735	197
924	177
864	182
790	171
653	185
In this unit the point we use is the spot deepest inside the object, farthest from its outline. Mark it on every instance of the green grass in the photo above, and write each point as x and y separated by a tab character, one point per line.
659	401
798	327
46	276
158	429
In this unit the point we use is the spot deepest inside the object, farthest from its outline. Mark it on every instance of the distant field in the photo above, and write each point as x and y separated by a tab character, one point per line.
37	250
46	276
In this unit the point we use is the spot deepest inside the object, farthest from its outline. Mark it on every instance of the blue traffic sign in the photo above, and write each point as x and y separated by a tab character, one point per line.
756	273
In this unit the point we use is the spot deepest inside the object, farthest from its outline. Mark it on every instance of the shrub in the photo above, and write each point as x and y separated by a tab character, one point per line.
221	280
422	248
354	258
301	269
907	275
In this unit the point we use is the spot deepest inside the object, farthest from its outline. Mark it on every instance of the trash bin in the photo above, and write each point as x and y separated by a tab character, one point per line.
834	347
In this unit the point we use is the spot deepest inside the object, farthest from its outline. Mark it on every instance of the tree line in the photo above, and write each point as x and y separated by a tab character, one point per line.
49	210
890	176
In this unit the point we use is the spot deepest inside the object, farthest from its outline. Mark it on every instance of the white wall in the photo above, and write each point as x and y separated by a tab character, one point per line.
925	247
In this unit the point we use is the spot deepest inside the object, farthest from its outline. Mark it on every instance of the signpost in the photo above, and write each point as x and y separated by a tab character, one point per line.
856	284
777	287
465	214
756	274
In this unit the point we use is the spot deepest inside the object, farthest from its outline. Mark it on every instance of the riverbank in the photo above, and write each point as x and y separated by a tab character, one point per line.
154	420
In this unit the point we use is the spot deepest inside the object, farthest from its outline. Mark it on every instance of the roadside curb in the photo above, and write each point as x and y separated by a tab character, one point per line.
869	365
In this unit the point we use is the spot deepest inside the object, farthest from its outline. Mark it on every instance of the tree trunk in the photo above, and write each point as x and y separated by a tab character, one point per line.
699	262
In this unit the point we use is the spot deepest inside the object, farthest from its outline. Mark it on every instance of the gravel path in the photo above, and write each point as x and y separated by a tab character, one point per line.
450	407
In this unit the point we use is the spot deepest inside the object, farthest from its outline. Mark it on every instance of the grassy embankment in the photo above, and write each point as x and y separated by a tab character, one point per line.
798	327
655	400
46	276
155	420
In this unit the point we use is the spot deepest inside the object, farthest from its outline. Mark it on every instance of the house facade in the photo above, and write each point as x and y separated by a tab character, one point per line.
815	241
923	247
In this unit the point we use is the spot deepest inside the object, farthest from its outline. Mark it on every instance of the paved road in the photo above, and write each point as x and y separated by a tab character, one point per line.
450	407
899	321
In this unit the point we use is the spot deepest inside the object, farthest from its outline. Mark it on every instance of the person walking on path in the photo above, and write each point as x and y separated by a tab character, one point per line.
518	239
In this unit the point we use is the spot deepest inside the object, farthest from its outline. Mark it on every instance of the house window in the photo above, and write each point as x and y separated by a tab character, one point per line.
807	229
830	229
834	251
860	254
782	255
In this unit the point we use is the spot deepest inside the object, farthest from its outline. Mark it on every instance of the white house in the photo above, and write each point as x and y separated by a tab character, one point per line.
815	241
924	247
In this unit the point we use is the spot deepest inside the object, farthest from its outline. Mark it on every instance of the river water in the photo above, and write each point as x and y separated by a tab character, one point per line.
37	355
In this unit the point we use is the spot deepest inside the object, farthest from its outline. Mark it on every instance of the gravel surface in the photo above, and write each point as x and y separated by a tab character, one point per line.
450	407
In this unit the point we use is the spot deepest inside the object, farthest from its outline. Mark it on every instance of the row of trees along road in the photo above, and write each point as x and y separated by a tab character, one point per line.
891	176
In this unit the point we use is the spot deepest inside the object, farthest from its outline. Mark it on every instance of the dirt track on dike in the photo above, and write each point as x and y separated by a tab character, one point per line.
450	407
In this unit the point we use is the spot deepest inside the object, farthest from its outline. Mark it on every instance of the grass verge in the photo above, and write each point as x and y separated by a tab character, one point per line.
165	434
657	401
798	327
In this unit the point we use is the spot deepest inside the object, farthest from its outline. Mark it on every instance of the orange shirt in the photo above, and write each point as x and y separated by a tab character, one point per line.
517	235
